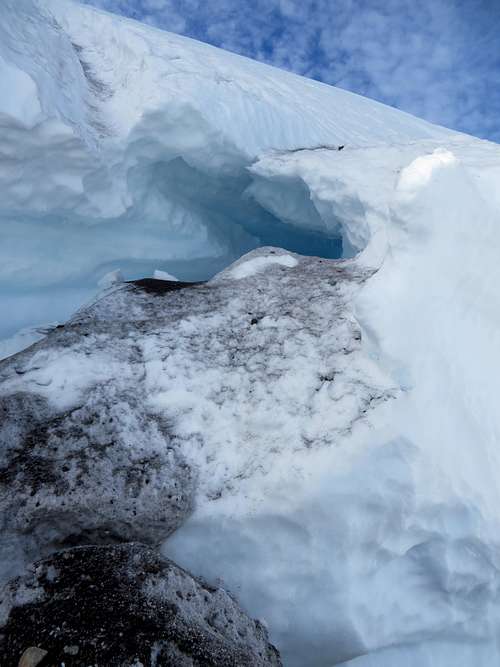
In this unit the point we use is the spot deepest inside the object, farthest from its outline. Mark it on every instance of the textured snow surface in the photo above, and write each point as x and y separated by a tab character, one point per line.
384	542
342	416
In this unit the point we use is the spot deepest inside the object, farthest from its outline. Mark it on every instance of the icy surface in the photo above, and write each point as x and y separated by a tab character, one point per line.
341	417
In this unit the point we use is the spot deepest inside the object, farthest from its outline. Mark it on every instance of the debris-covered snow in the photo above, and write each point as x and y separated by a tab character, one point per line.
338	418
125	605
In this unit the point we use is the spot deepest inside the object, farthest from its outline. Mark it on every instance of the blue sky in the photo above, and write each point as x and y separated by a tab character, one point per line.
437	59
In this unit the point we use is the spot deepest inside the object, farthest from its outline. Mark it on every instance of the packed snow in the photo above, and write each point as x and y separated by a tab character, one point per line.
249	267
164	275
112	278
386	546
346	443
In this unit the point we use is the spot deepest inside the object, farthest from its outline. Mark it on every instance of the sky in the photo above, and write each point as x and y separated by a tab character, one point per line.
437	59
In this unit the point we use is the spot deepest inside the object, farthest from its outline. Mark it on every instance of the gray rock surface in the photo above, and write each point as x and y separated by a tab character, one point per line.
33	657
124	606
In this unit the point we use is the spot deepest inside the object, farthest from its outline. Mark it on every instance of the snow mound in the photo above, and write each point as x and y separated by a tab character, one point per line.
250	267
382	549
163	275
110	279
127	147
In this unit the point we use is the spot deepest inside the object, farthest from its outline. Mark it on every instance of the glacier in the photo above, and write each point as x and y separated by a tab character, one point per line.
347	448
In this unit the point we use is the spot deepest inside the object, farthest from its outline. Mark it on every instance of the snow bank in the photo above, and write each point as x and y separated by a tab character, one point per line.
126	147
388	547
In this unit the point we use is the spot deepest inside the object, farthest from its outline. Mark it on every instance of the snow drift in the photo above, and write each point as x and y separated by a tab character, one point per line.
123	147
374	544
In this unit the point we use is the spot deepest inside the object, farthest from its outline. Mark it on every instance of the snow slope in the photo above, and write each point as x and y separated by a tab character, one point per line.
374	546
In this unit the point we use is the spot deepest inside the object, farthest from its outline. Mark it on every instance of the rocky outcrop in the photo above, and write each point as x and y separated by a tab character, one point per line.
114	424
124	606
91	478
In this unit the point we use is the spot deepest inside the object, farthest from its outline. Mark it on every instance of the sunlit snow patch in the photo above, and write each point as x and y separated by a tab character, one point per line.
252	266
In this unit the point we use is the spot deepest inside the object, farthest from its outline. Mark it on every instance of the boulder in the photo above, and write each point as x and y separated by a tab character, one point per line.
124	606
99	472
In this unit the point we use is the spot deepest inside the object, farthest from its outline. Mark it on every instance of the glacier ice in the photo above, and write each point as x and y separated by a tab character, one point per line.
368	541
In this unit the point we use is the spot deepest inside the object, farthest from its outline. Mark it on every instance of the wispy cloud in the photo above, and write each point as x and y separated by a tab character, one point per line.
438	59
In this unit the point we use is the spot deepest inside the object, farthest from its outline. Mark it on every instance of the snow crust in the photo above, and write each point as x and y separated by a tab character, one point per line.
372	545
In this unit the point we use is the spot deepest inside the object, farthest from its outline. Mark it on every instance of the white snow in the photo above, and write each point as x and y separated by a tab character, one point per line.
386	545
127	147
164	275
252	266
22	339
110	279
137	148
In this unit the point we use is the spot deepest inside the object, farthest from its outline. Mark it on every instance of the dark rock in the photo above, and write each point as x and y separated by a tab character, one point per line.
121	606
102	472
33	657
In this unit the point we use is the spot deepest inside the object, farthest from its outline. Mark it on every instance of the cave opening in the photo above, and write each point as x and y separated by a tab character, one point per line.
220	217
181	219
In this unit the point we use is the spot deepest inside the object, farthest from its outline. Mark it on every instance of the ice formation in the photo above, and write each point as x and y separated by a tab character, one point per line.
350	498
